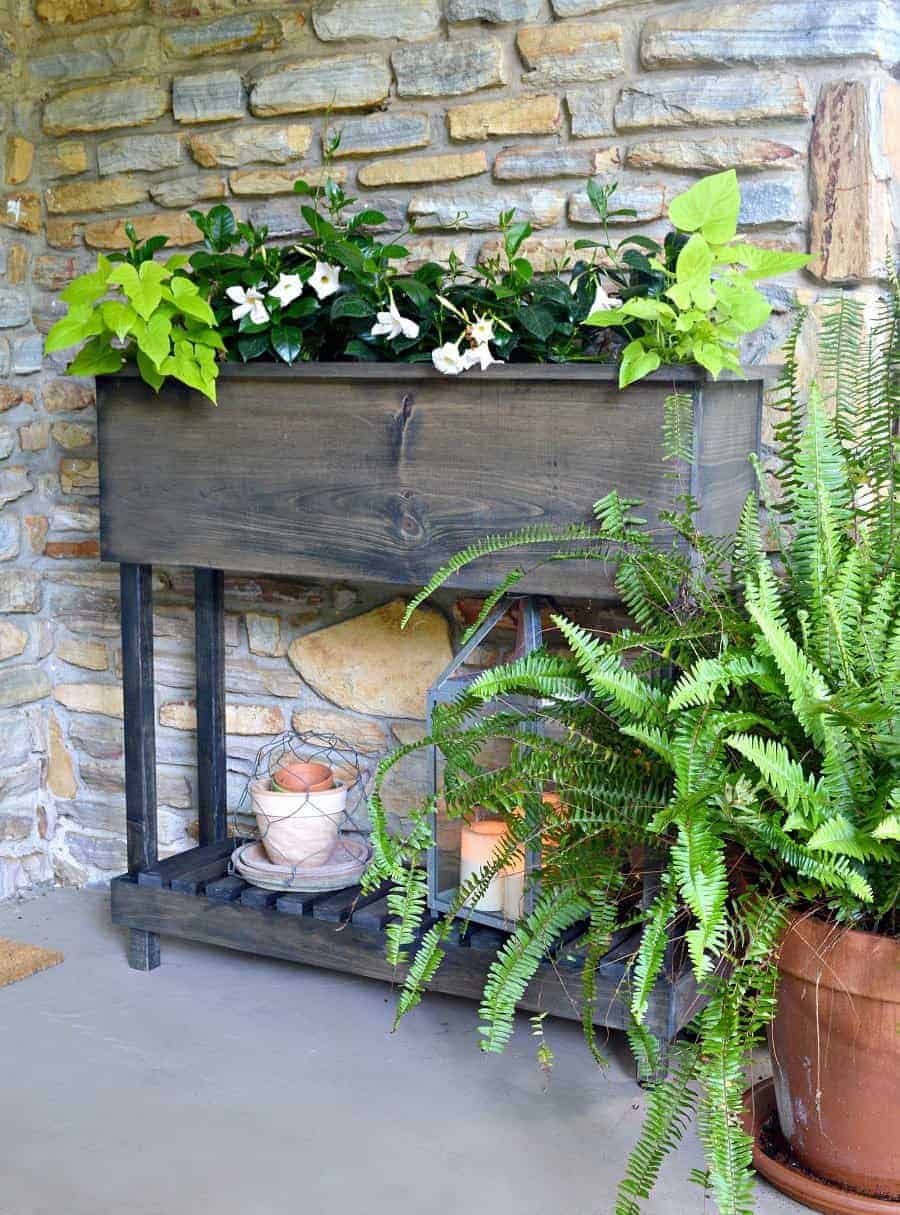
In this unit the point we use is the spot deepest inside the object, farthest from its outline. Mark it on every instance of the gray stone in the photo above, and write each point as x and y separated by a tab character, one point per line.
580	8
15	827
14	483
184	191
381	133
648	201
479	210
342	82
4	361
102	852
20	591
497	12
238	146
590	111
18	782
766	32
448	69
547	161
334	20
15	308
75	519
208	97
99	738
22	686
766	203
96	54
16	740
102	777
242	32
684	101
9	536
146	152
7	441
28	354
571	51
714	152
264	634
127	103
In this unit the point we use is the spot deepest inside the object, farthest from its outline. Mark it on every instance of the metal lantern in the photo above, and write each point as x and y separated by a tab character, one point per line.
447	867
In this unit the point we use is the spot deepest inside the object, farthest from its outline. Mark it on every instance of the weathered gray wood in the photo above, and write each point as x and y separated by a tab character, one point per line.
382	472
190	863
209	629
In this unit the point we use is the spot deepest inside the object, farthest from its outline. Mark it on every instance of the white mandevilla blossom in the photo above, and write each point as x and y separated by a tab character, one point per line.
448	360
391	324
481	330
325	279
248	302
288	287
603	302
480	356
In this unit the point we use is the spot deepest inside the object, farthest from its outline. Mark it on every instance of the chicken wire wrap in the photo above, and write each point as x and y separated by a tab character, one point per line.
336	753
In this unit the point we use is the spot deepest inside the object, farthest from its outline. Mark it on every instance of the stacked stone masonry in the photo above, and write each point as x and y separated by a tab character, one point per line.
449	112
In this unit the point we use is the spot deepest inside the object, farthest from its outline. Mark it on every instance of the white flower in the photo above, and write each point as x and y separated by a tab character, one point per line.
325	279
392	324
481	330
481	356
447	359
288	287
603	302
248	302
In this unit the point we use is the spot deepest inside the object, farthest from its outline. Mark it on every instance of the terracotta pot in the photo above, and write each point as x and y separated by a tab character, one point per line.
296	776
835	1044
298	828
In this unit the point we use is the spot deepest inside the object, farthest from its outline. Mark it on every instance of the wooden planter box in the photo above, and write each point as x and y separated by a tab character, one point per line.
382	472
378	472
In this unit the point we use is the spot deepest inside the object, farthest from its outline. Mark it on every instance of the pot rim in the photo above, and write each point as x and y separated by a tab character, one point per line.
847	960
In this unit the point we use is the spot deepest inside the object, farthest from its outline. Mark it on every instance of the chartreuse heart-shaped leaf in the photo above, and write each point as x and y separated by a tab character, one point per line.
710	207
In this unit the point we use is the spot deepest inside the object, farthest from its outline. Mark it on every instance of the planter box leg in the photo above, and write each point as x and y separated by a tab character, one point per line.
209	625
140	741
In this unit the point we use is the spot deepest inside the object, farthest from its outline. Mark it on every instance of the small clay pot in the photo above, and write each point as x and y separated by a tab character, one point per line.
835	1045
298	776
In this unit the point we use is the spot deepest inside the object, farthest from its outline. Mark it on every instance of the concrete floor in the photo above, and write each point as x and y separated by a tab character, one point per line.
243	1086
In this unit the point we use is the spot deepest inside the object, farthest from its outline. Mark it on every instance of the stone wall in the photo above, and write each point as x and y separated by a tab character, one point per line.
138	109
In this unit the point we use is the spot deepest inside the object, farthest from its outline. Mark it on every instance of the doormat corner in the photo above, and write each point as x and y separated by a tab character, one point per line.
18	961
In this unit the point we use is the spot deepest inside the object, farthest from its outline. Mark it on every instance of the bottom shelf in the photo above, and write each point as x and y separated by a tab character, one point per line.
191	896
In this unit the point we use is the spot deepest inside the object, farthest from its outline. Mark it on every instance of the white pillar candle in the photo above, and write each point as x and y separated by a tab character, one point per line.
514	893
478	844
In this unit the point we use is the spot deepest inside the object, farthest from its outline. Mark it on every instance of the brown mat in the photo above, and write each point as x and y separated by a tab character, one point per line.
19	961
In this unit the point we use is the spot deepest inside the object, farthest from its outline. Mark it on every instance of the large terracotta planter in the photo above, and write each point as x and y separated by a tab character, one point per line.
835	1045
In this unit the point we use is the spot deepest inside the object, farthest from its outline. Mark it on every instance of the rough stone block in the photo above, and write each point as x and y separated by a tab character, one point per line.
342	82
19	159
9	537
98	851
102	107
264	634
20	590
63	233
94	195
241	32
67	396
479	210
13	640
539	115
547	161
569	52
590	112
7	443
62	12
495	12
411	170
184	191
648	201
15	308
208	97
684	101
110	233
60	769
104	699
772	203
234	147
97	54
367	737
64	159
247	720
52	271
79	476
335	20
580	8
89	655
447	69
28	354
34	436
714	153
280	181
766	32
145	152
21	211
380	133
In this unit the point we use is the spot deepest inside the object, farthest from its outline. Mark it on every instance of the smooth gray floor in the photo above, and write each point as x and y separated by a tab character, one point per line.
227	1084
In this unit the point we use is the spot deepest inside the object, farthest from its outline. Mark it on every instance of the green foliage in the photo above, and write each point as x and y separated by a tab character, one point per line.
745	734
701	299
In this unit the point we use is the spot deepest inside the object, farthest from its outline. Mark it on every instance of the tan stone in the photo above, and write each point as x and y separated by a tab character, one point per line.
570	51
64	159
72	435
186	190
91	655
101	107
68	550
370	665
60	772
59	12
547	161
17	265
110	233
479	209
411	170
10	397
22	686
544	252
713	153
104	699
94	195
851	179
67	396
34	436
538	115
79	476
52	272
264	635
280	181
21	211
63	233
250	720
36	527
729	98
367	737
13	640
19	159
424	249
648	201
233	148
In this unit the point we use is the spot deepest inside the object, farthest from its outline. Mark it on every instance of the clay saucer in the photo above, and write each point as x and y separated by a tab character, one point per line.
823	1196
344	867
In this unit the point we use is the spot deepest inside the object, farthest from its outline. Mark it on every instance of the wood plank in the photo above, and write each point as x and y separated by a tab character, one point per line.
225	889
297	902
209	633
306	939
253	896
339	907
185	864
372	917
195	881
405	465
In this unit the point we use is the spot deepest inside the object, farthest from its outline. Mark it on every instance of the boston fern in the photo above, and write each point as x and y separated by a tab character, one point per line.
745	733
